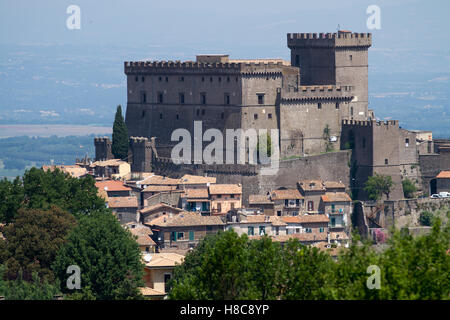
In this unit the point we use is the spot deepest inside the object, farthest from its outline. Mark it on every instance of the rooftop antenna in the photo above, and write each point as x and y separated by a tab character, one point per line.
338	27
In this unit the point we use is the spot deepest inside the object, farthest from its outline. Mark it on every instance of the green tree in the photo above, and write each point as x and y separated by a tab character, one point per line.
326	136
33	241
216	269
40	189
108	256
11	199
378	185
20	289
408	188
119	136
426	218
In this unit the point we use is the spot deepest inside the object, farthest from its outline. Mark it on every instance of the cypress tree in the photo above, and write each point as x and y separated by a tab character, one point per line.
119	136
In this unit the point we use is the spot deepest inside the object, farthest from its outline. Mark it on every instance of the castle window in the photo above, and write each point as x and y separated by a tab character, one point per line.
136	78
181	97
297	60
386	161
143	97
227	98
269	116
222	115
203	79
178	117
167	79
236	79
351	57
160	78
203	98
210	79
260	98
364	142
337	105
407	142
351	111
228	79
220	79
181	78
143	79
198	112
143	113
255	116
160	116
203	112
160	97
319	105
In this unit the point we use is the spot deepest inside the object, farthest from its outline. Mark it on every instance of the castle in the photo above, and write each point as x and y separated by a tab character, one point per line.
318	101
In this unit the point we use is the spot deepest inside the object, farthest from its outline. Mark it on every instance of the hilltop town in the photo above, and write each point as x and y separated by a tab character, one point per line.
329	145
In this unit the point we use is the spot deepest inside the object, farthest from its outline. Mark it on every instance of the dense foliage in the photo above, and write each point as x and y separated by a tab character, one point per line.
377	185
41	190
119	136
108	257
33	241
226	266
409	188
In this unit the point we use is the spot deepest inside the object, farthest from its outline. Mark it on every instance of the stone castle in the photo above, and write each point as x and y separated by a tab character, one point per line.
318	101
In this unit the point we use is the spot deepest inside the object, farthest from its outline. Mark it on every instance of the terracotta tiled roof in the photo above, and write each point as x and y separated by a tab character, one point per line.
122	202
191	179
150	292
164	260
286	194
443	175
186	219
333	185
200	193
290	219
112	185
158	207
159	188
336	197
108	163
274	220
259	199
306	237
311	185
225	189
159	180
143	239
313	218
74	170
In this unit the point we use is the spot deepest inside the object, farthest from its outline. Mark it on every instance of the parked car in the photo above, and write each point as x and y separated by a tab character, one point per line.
435	196
444	194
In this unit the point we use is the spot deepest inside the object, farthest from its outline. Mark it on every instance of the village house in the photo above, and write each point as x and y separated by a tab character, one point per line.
257	225
124	208
158	270
337	206
143	235
184	230
312	190
112	168
443	182
261	202
225	197
287	202
149	213
113	188
196	200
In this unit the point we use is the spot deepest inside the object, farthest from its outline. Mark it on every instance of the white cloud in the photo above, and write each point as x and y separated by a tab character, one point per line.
45	113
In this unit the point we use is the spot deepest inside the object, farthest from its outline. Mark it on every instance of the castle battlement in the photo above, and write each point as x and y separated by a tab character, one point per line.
178	66
370	123
339	39
327	92
102	140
